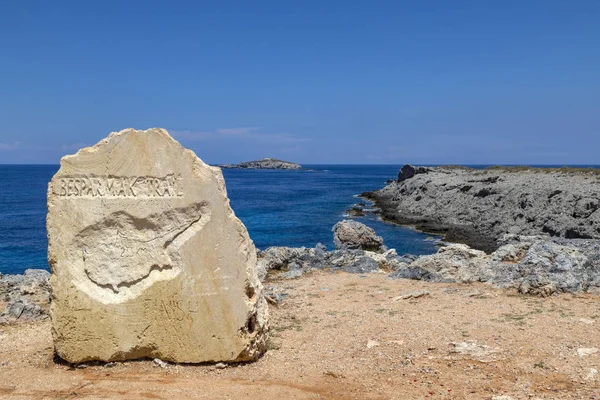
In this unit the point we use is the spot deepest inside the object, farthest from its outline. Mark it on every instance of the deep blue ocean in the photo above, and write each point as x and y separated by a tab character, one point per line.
279	208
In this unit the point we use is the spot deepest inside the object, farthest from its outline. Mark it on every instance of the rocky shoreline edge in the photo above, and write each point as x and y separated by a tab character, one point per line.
535	265
478	207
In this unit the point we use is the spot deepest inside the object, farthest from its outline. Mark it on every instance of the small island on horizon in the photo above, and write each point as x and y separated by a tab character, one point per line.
265	163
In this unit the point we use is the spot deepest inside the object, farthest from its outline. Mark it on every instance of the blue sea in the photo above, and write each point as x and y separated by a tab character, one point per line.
279	208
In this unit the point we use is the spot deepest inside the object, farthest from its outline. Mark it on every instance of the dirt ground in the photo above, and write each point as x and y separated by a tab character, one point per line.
343	336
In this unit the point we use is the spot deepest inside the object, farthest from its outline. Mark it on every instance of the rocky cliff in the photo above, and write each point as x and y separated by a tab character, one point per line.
478	207
265	163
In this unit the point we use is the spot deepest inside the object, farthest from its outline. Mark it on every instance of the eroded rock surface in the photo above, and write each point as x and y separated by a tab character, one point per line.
478	207
293	262
148	259
24	298
353	235
535	265
408	171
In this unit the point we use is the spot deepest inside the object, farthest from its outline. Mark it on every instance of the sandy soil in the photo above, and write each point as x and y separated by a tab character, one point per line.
343	336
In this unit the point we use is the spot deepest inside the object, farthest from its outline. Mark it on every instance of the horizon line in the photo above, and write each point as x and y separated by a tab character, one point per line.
375	164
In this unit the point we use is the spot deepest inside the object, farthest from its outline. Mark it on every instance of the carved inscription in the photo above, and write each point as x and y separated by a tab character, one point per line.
118	186
178	309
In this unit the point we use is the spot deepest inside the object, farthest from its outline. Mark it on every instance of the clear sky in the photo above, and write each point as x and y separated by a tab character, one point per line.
378	82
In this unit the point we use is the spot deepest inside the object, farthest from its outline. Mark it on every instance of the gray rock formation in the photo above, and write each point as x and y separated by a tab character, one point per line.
24	298
533	264
478	207
408	171
265	163
352	235
293	262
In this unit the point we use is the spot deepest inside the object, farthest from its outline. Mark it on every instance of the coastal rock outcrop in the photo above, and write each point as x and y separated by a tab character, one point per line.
352	235
408	171
532	264
478	207
265	163
24	298
293	262
535	265
148	258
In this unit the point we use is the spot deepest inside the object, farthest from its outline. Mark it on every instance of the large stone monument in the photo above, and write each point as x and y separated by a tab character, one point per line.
147	257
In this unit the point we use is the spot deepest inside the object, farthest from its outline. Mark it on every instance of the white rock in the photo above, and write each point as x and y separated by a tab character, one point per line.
157	361
412	295
591	374
148	259
481	352
584	352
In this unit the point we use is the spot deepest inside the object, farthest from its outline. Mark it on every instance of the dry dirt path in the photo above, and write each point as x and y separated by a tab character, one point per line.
343	336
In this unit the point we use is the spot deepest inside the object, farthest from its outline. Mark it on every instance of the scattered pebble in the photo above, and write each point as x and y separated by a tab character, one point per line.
412	295
160	363
584	352
480	352
372	343
591	375
332	374
398	342
293	274
220	365
586	321
450	290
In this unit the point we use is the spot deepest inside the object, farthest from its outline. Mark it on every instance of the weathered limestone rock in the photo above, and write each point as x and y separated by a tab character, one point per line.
148	259
349	234
408	171
479	206
24	298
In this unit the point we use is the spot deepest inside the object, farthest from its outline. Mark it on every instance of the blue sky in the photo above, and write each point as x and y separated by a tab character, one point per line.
377	82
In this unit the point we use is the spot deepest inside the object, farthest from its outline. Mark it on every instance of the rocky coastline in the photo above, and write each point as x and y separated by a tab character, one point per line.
536	265
265	163
534	231
478	207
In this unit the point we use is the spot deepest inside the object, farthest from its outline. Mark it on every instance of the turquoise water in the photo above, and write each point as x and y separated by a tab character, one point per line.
279	208
299	208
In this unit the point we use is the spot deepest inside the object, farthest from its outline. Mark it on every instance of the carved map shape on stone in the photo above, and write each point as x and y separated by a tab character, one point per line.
123	254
